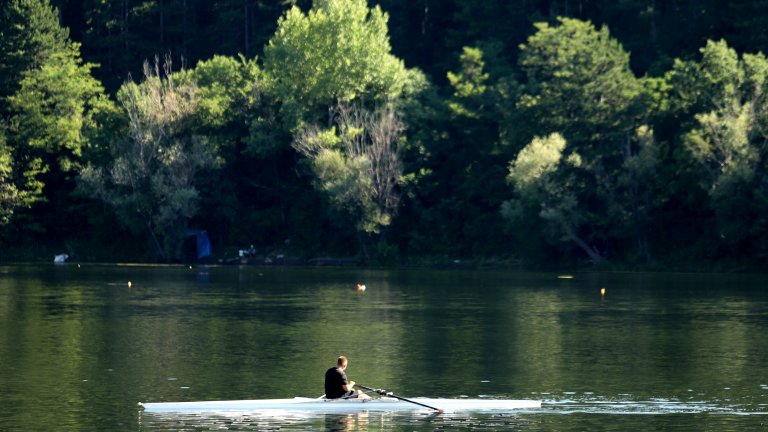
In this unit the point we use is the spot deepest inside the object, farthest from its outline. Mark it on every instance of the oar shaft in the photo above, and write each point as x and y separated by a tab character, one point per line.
383	392
417	403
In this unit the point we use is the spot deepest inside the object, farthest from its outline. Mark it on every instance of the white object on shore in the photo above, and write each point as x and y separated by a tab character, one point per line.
61	258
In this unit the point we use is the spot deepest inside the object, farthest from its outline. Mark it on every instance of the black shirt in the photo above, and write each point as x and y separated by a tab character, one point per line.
335	380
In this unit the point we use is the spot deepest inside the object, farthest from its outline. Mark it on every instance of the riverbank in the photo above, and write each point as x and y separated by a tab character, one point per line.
288	259
290	255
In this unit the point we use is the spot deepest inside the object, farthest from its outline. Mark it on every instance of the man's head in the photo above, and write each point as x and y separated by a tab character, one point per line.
342	362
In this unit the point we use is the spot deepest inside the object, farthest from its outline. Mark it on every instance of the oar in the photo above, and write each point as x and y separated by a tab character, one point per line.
386	393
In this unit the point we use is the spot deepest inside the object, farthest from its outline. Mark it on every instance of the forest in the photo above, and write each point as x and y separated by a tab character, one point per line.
629	134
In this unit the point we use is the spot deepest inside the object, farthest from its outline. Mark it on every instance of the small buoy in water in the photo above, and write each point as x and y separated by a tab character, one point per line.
359	287
602	292
129	284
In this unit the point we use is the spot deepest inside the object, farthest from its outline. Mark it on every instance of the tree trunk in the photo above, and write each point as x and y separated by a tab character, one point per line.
185	52
158	248
363	246
162	24
278	188
654	32
60	7
246	30
640	234
124	25
425	20
634	198
594	255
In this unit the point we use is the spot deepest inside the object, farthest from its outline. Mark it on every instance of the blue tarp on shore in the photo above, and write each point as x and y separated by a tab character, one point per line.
203	243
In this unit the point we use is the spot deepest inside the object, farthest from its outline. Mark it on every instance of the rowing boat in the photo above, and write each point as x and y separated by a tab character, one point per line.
340	405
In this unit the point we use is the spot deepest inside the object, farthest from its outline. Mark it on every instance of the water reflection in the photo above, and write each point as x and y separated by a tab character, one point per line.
284	421
346	422
79	348
362	421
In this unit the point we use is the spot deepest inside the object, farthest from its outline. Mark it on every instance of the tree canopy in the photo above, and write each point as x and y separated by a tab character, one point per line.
539	133
337	52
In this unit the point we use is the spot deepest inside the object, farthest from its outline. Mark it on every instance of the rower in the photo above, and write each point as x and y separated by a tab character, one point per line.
338	386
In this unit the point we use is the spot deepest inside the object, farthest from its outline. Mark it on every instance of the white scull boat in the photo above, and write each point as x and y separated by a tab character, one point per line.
340	405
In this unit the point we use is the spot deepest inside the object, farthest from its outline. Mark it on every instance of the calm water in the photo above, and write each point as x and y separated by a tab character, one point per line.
79	348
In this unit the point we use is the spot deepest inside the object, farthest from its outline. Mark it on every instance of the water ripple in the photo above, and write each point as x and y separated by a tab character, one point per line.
658	406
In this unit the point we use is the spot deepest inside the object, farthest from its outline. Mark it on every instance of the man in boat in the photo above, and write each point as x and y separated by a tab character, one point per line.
337	385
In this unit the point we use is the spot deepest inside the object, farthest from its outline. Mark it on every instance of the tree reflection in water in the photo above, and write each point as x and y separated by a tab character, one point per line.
346	422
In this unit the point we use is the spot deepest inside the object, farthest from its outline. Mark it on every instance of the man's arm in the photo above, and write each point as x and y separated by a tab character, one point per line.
348	386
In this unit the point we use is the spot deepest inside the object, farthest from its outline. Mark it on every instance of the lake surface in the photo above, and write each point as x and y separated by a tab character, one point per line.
79	347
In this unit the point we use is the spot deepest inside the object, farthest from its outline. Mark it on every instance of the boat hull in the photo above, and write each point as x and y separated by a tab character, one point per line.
339	405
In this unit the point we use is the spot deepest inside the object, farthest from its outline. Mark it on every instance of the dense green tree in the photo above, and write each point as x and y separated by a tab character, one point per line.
744	16
151	179
462	163
726	146
9	194
684	143
469	84
31	34
338	55
240	118
227	93
578	84
45	104
425	33
243	26
420	34
118	34
337	52
547	185
358	165
49	109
